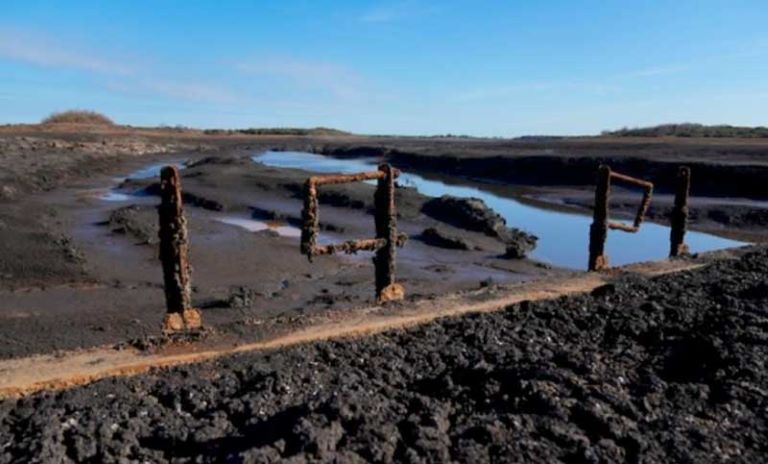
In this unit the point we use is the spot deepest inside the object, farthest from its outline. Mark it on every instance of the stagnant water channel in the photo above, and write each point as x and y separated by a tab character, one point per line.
563	237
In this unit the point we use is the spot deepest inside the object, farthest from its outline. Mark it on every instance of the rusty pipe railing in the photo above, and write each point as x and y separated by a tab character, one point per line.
598	231
644	203
386	241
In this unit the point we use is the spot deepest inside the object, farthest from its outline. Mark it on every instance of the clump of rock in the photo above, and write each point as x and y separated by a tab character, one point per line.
519	244
439	238
473	214
137	221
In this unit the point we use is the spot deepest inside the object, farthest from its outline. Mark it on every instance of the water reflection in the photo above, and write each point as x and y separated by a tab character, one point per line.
153	170
254	225
563	237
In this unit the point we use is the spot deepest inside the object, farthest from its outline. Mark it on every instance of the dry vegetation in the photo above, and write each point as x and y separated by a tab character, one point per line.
78	117
319	131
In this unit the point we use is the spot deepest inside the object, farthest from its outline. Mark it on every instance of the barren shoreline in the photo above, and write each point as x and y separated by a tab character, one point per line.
95	261
642	368
64	254
669	370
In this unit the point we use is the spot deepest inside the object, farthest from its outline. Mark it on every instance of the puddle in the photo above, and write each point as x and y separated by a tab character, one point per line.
115	194
282	229
563	237
254	225
153	170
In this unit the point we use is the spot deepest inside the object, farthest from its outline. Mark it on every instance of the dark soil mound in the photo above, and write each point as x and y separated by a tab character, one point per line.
520	246
439	238
220	161
739	216
670	369
474	214
466	213
137	221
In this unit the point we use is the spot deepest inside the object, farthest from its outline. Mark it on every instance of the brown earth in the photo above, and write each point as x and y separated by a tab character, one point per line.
78	271
95	262
641	370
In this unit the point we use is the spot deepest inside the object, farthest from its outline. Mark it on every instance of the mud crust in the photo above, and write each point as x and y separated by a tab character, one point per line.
667	369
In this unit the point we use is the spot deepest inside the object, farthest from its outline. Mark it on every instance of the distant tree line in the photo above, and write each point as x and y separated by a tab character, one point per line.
690	130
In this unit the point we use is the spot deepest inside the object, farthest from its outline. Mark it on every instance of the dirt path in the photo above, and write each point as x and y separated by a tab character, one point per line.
66	369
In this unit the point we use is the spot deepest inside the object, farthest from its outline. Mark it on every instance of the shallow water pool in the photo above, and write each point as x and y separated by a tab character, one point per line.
253	225
563	237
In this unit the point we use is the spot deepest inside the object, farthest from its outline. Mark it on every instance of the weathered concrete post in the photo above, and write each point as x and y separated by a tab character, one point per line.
174	248
598	231
679	216
386	228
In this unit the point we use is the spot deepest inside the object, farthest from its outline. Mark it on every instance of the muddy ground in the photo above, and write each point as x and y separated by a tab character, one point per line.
665	369
644	370
77	271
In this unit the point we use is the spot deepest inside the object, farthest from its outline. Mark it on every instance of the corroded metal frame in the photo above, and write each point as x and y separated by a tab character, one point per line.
386	240
644	203
598	232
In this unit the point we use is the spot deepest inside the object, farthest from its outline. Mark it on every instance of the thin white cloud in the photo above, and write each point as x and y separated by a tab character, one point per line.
122	76
608	83
381	15
491	92
654	71
41	50
336	79
736	51
194	91
396	11
203	92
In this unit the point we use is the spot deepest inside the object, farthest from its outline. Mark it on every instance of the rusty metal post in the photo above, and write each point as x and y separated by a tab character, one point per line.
310	220
174	248
386	228
679	216
598	231
387	238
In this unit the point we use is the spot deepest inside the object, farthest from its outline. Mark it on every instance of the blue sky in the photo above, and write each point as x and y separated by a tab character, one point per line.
497	68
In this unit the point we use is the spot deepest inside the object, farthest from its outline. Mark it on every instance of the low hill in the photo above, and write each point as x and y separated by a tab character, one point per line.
78	117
